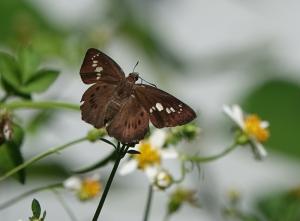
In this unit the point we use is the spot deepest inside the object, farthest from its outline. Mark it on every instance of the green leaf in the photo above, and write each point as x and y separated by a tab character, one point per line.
28	63
40	82
9	69
278	101
44	216
10	153
282	206
36	209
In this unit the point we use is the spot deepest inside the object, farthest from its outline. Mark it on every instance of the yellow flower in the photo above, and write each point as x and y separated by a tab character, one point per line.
255	130
85	187
151	155
253	127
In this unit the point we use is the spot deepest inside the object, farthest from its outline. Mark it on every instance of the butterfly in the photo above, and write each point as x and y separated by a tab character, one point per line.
123	106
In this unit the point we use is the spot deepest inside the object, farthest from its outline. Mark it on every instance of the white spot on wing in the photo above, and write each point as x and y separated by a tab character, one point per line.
95	61
159	106
168	110
151	110
94	65
172	109
98	69
98	76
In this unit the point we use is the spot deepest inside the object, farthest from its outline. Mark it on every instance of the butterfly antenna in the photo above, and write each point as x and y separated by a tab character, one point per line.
135	65
147	82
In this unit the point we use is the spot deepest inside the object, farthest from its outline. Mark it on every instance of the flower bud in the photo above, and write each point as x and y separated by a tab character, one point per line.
96	134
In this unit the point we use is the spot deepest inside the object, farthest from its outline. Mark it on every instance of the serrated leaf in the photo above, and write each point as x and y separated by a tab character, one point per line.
277	101
9	69
40	82
36	209
28	63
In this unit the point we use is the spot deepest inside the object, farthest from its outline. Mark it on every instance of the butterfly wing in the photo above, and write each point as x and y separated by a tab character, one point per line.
97	66
95	103
164	109
131	123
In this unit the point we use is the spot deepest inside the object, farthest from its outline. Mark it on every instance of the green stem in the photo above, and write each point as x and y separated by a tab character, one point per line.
148	204
120	154
26	194
65	205
198	159
39	105
39	157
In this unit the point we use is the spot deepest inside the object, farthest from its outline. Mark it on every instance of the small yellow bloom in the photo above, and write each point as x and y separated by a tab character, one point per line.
85	187
89	189
253	127
152	154
149	155
254	130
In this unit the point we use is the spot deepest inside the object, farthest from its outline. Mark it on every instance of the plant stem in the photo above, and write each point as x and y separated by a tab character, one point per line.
23	195
148	204
39	105
39	157
65	205
120	154
198	159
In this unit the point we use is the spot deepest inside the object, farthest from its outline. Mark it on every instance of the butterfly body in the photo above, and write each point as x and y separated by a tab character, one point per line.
122	106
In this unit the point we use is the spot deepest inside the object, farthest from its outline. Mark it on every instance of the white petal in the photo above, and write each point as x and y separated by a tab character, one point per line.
235	113
259	150
227	110
151	173
169	153
238	115
94	176
264	124
128	167
72	183
158	138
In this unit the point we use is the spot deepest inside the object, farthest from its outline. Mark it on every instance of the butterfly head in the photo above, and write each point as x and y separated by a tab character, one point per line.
133	77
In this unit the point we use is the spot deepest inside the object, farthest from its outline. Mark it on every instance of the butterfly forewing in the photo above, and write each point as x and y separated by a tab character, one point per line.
95	103
97	66
164	109
131	123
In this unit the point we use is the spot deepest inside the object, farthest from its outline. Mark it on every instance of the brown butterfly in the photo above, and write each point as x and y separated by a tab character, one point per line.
122	106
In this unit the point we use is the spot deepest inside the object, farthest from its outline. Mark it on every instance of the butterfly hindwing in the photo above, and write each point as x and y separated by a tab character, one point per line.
164	109
95	102
131	123
97	66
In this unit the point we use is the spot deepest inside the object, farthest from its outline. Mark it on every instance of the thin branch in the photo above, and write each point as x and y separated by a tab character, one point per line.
39	157
148	204
26	194
39	105
198	159
65	205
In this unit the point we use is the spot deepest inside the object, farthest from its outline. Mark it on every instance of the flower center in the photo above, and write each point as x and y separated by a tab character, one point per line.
90	188
253	127
149	156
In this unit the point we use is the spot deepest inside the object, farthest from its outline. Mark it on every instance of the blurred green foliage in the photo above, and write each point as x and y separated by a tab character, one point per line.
277	101
281	206
21	76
